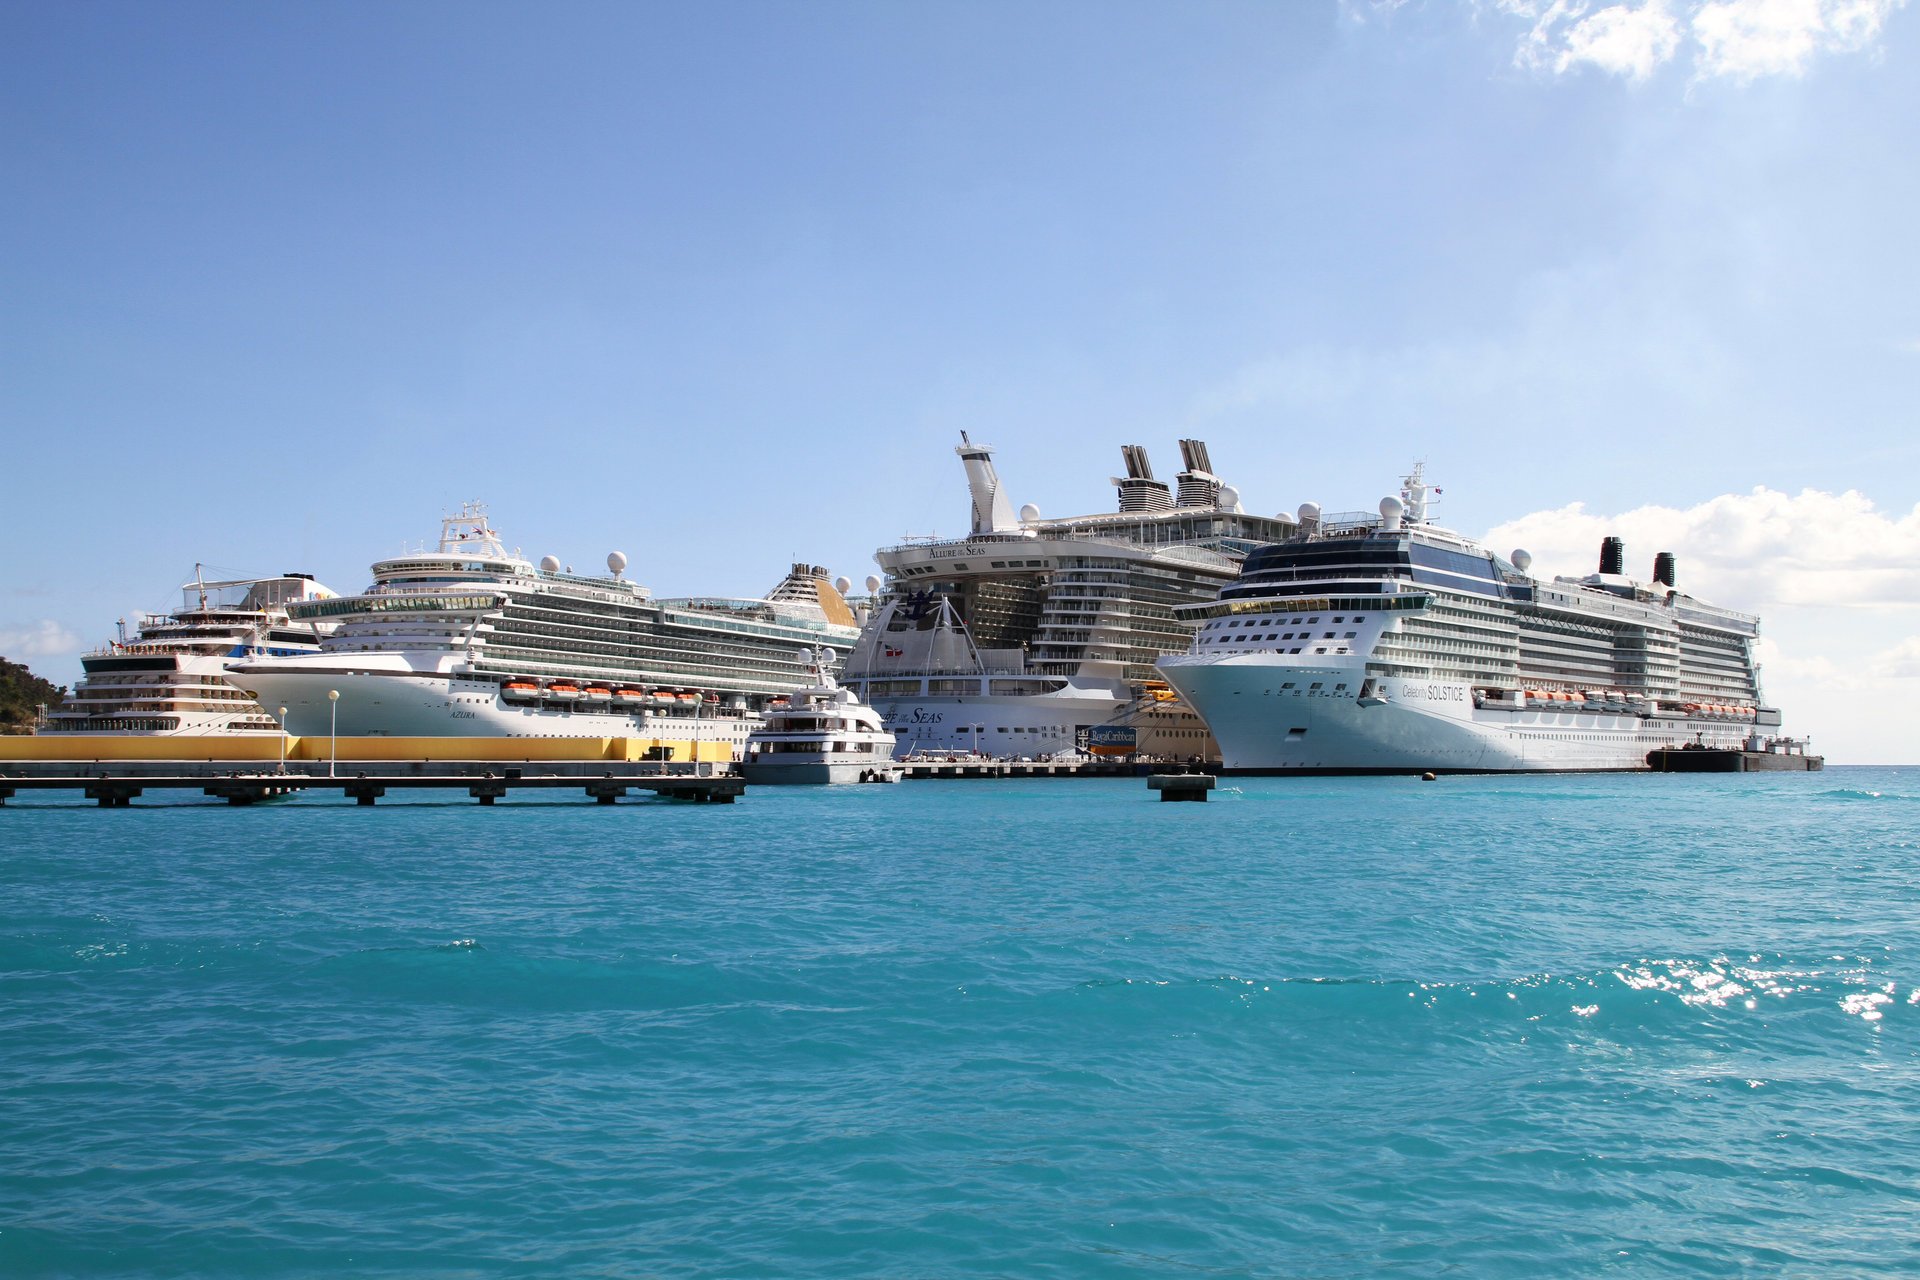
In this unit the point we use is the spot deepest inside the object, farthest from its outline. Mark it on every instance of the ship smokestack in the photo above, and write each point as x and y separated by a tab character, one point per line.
992	512
1613	556
1663	569
1139	491
1199	487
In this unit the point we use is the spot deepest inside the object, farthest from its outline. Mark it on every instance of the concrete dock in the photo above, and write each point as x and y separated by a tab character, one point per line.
244	783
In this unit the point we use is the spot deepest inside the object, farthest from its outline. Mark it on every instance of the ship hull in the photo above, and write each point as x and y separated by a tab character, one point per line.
1409	725
416	704
1036	725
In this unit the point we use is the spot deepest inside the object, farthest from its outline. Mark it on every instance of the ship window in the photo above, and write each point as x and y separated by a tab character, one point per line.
1349	635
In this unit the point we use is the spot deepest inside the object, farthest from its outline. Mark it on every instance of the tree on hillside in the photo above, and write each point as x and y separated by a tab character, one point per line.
21	694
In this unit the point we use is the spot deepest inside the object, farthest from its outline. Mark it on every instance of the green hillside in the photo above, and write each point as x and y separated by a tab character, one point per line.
21	692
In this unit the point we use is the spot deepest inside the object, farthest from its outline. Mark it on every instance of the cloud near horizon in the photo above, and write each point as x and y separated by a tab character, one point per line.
1746	551
43	639
1739	40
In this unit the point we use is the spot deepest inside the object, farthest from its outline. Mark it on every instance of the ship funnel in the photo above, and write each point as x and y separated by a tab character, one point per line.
1140	491
1663	569
992	512
1199	487
1613	556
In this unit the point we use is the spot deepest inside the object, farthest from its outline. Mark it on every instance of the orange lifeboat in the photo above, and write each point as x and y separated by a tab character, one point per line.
596	691
563	690
629	695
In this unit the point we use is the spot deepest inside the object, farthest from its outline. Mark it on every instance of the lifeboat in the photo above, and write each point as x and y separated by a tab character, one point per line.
713	697
563	691
688	697
629	695
662	696
520	689
596	692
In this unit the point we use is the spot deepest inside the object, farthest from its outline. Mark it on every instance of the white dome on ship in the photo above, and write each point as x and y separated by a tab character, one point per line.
1029	513
1229	499
1309	511
843	584
1521	558
873	582
1392	508
617	562
550	564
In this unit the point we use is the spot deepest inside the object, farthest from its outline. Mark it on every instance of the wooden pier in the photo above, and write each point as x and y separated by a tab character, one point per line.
484	782
987	767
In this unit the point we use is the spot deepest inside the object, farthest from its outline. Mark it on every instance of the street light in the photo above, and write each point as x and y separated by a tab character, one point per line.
283	739
333	749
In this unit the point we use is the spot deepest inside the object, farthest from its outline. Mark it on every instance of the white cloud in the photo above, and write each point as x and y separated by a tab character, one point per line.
1835	582
1746	551
43	639
1739	40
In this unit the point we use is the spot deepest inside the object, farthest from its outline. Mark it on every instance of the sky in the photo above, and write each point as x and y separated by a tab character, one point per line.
719	285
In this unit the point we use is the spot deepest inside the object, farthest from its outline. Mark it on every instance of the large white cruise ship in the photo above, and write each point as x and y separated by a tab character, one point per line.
1037	637
171	677
1391	645
472	640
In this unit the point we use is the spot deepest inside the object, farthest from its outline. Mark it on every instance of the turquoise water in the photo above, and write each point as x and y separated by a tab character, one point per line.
1484	1027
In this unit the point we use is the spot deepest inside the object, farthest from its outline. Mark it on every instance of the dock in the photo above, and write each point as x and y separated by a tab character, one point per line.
990	767
244	783
1733	760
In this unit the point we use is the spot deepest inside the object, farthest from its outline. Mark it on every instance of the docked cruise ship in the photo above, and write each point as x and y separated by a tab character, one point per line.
1391	645
472	640
171	677
1038	637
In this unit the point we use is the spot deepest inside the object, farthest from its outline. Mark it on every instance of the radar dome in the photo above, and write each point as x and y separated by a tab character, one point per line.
1391	507
1229	498
843	584
1029	513
1309	511
1521	558
549	564
616	562
873	582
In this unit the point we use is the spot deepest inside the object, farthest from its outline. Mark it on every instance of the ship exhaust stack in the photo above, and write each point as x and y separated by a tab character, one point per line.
992	512
1139	491
1663	569
1199	487
1613	556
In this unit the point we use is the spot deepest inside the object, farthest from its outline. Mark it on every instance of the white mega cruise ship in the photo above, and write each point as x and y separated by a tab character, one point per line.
171	677
474	641
1364	645
1034	637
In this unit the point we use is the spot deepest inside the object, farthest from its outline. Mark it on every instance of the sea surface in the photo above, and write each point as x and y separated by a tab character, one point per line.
1631	1025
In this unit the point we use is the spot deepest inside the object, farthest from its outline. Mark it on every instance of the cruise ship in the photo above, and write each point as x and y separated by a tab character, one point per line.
1392	645
472	640
1034	636
171	677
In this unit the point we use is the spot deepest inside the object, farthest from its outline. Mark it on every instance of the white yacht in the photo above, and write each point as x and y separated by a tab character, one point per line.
170	678
1392	645
471	640
1037	637
821	733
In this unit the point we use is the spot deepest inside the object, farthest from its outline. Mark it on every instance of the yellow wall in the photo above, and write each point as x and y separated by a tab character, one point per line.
76	746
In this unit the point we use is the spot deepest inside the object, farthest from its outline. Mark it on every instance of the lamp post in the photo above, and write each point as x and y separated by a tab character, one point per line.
283	739
976	737
333	748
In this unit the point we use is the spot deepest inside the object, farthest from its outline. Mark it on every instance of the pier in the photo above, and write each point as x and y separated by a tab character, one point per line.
990	767
483	781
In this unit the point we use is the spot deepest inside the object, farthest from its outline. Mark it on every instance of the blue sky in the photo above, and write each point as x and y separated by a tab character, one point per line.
718	285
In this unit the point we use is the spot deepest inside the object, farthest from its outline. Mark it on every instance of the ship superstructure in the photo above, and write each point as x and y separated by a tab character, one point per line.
1034	636
170	678
474	640
1391	644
